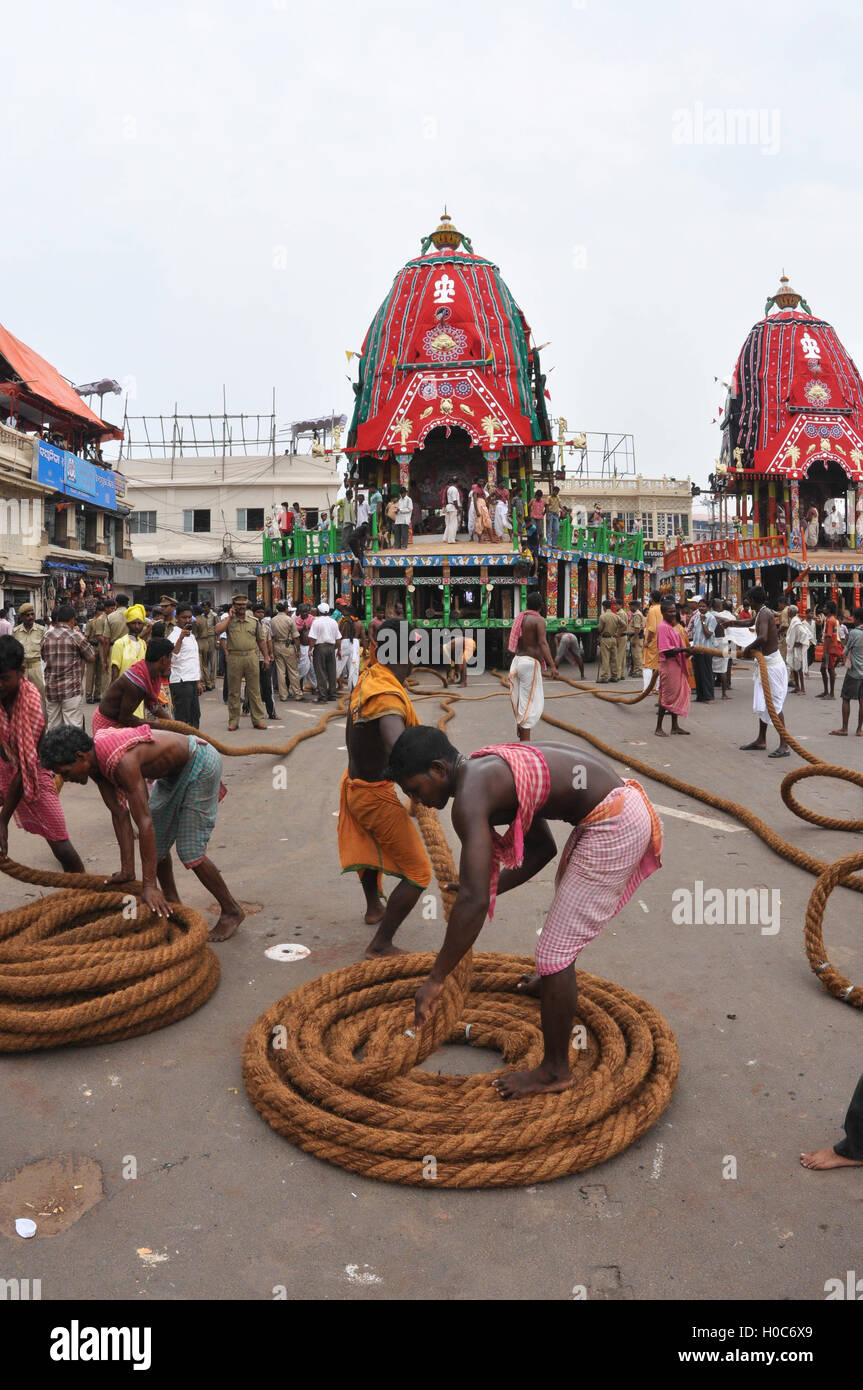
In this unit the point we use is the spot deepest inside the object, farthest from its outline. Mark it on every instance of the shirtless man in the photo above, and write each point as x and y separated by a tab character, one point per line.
181	807
767	642
569	648
376	834
605	859
530	645
137	688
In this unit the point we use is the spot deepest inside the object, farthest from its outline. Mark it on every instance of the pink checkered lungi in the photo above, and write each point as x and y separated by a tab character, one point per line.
42	814
606	857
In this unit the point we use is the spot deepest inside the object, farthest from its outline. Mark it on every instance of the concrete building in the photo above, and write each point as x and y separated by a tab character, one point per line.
661	507
52	538
198	518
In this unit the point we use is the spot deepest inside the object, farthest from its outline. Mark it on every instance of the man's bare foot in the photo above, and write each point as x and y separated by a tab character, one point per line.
374	915
529	984
828	1158
226	925
753	747
685	732
517	1084
660	733
379	946
838	733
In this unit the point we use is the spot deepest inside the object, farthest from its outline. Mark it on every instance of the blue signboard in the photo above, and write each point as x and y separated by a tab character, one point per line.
74	476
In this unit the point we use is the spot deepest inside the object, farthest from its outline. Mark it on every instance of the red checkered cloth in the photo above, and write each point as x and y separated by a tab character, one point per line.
39	809
532	785
606	857
111	743
515	630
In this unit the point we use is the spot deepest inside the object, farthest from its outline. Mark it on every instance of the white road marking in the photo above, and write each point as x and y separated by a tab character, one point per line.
643	905
658	1160
698	820
362	1274
302	714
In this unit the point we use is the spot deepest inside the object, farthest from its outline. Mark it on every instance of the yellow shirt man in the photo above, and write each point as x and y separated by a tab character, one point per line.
124	653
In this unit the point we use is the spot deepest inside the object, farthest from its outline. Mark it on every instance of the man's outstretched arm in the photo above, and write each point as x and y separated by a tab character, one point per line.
123	832
131	780
469	910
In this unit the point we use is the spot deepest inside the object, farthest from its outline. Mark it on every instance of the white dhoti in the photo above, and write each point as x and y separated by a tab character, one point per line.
525	691
450	530
348	660
778	673
305	669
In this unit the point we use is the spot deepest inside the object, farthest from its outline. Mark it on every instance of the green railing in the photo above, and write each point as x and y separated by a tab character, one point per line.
302	544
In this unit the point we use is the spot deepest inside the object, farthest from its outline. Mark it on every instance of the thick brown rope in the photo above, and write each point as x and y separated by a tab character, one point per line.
383	1117
90	964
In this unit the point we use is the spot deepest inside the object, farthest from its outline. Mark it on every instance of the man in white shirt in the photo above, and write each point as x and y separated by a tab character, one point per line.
450	513
185	668
324	638
362	509
404	512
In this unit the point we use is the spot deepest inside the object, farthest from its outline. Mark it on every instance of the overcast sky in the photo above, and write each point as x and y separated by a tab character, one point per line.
223	192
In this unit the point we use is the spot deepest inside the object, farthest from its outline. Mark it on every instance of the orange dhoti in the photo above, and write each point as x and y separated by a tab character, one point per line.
376	832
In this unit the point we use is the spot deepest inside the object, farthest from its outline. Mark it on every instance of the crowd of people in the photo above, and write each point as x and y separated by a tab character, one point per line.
486	514
168	786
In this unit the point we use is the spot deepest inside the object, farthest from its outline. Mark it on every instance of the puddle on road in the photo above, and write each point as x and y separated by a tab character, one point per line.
53	1192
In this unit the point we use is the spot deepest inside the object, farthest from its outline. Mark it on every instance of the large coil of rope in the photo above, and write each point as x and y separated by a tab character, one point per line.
384	1117
90	964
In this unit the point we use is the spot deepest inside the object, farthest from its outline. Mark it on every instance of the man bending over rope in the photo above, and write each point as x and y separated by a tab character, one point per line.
181	808
615	845
376	833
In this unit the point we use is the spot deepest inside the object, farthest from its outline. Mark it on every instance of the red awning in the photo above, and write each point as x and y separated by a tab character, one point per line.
40	379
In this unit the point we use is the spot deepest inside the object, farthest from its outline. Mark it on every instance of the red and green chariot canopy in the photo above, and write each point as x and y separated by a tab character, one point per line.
796	396
448	347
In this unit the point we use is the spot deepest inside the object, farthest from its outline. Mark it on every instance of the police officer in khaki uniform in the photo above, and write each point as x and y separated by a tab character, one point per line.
622	625
286	640
95	632
30	633
205	625
244	637
115	627
607	629
636	630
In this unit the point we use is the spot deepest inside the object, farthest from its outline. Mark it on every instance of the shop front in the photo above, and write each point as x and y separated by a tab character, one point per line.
184	580
17	588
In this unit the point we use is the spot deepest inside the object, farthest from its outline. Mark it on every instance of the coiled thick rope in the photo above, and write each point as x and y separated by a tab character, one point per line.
90	964
383	1117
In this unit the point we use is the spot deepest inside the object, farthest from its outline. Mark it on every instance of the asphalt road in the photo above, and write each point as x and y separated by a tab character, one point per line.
222	1207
